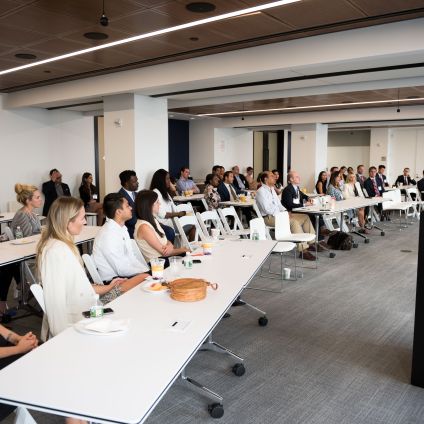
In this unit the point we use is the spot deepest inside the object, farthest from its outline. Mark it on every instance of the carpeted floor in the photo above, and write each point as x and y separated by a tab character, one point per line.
337	348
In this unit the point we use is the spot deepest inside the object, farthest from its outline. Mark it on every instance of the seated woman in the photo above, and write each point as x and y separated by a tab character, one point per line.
212	196
90	196
161	185
148	233
278	186
12	347
25	218
67	289
350	191
321	185
333	188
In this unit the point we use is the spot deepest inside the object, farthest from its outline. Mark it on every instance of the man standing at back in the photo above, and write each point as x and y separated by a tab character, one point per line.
53	189
129	183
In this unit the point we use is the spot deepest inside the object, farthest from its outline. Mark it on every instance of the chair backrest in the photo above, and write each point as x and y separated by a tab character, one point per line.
359	189
396	195
209	219
137	253
182	207
389	195
37	291
180	223
8	231
258	224
92	269
412	190
230	211
282	225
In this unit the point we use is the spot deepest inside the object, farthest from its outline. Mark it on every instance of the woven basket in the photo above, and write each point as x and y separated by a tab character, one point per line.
189	289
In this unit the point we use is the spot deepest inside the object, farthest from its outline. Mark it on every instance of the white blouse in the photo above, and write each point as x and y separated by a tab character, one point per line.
67	290
164	208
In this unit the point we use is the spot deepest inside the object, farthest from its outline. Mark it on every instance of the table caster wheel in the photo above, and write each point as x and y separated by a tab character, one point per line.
263	321
332	255
382	234
366	241
355	245
238	369
216	410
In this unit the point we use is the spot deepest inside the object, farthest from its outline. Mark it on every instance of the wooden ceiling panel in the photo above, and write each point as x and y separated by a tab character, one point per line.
343	99
311	13
35	19
17	36
250	26
379	7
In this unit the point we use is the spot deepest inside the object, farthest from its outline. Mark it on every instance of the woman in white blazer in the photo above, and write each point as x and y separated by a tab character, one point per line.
67	290
349	191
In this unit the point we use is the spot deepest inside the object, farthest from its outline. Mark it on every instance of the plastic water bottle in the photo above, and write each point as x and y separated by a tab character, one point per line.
18	233
97	309
255	235
188	261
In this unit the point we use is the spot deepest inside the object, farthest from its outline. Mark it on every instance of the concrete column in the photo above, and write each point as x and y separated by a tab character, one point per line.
135	137
309	152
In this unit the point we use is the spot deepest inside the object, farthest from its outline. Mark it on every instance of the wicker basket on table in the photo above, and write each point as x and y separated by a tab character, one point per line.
190	289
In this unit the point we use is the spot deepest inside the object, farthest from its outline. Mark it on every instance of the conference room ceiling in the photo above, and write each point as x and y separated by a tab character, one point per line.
336	101
47	28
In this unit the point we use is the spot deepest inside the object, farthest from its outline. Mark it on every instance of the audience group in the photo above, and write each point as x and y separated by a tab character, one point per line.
137	227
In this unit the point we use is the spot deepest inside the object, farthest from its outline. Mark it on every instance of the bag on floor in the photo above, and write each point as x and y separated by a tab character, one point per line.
339	240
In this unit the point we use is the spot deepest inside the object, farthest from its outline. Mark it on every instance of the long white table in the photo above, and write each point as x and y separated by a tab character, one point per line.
121	378
11	252
6	217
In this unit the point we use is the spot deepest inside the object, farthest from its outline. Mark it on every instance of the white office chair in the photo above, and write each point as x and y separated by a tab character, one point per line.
37	291
92	268
189	220
182	207
283	232
259	225
359	189
395	204
237	229
208	219
417	202
9	233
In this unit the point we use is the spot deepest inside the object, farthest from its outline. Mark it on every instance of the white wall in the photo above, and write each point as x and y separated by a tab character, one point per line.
233	146
348	148
33	141
202	147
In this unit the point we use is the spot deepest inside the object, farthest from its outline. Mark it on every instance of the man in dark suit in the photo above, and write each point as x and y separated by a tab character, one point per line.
360	177
129	183
373	185
405	179
420	186
53	189
239	181
382	175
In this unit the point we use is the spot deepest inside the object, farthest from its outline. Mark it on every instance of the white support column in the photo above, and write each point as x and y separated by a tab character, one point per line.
136	137
309	152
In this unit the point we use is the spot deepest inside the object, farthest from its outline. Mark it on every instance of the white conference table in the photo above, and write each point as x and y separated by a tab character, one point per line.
121	378
240	205
183	199
6	217
11	252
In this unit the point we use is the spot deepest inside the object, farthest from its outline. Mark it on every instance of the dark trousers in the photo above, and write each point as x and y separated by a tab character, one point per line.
169	233
6	410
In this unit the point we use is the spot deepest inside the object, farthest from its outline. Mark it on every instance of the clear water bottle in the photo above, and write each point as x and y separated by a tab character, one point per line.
18	233
255	235
97	309
188	261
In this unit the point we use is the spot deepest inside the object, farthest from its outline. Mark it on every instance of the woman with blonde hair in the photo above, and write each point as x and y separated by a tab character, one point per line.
350	191
30	198
67	290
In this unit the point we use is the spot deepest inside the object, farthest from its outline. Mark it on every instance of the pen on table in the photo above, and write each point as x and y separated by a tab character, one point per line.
175	323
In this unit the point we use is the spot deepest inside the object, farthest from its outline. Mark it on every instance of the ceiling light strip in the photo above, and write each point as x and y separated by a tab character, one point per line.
234	14
240	112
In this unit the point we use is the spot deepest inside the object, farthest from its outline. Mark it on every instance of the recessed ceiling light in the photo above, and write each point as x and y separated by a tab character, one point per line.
27	56
96	35
168	30
194	38
200	7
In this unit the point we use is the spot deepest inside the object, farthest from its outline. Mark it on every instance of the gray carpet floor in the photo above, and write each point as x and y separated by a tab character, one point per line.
337	348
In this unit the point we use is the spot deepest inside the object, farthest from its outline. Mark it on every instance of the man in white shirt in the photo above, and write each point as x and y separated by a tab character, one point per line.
113	251
269	204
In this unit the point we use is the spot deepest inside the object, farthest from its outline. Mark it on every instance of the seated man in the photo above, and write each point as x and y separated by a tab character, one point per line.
269	204
184	183
239	182
228	193
129	183
360	177
382	175
373	185
113	250
292	197
405	179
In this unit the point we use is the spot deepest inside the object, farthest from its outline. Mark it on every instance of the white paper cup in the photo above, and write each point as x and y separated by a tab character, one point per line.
286	273
215	233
